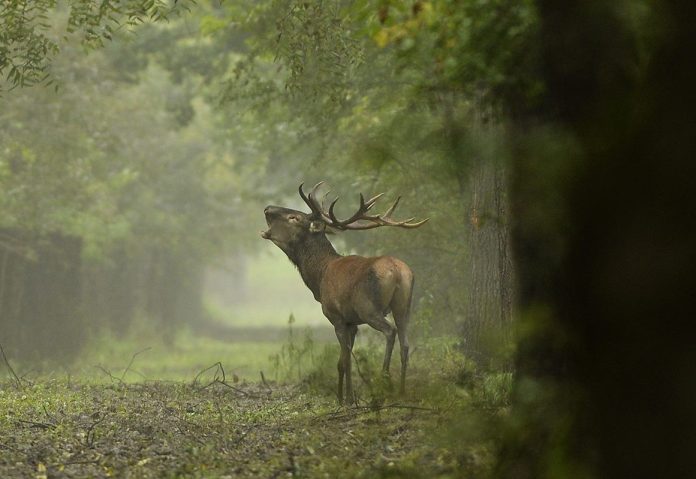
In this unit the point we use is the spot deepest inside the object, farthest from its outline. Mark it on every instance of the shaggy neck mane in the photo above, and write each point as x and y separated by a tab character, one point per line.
311	258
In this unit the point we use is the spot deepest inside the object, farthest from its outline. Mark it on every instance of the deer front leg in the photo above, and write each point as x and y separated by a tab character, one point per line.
344	365
340	377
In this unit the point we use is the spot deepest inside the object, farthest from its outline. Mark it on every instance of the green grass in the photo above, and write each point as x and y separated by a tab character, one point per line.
155	360
153	430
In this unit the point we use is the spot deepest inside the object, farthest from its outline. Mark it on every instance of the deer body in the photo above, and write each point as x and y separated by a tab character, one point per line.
352	290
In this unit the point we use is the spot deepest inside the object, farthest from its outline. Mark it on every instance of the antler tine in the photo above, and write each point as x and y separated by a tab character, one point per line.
417	224
332	215
323	200
310	200
371	202
316	187
382	222
391	209
313	195
359	215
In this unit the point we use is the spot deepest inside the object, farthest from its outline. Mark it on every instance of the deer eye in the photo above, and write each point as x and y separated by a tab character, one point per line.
294	219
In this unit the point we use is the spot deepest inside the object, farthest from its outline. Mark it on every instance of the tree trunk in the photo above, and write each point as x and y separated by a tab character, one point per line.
604	244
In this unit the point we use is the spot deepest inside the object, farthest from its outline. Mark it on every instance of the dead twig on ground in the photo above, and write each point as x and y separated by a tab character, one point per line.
265	383
220	378
51	417
125	371
357	410
108	373
18	381
217	365
70	463
9	448
91	434
40	425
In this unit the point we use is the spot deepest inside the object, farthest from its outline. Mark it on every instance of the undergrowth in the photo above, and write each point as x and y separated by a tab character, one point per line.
212	424
471	402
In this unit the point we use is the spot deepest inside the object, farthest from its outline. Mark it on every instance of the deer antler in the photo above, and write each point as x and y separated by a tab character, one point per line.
360	220
312	202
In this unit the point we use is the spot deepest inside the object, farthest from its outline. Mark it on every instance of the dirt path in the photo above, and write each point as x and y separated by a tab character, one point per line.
158	429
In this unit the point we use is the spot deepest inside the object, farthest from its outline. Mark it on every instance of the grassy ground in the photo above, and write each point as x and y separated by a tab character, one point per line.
180	361
176	430
250	393
145	416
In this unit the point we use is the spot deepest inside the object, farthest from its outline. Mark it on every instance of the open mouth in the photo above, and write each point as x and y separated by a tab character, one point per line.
266	234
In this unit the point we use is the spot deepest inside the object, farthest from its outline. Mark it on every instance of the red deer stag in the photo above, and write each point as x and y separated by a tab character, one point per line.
352	290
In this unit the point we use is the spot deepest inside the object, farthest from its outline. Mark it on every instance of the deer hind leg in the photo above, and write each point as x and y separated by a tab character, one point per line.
377	321
403	345
401	309
391	339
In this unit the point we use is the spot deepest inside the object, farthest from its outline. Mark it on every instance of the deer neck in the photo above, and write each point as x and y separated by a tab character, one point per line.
311	258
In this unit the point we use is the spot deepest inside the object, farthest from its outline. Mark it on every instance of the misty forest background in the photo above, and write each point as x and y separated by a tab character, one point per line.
550	144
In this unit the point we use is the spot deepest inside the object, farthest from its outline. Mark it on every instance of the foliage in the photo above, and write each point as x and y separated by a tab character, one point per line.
32	30
112	162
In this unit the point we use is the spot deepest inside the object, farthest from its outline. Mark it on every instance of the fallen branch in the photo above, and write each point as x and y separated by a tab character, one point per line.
40	425
367	409
217	365
125	371
108	373
18	381
220	378
263	380
70	463
10	448
89	441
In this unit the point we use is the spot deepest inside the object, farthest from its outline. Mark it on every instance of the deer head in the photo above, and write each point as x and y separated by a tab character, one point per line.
288	227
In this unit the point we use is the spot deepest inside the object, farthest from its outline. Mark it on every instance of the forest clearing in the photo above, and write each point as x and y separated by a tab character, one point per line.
490	278
220	425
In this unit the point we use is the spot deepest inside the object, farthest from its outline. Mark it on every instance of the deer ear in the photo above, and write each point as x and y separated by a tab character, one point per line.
317	226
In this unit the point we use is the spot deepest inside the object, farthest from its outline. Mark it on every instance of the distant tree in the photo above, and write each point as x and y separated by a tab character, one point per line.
127	161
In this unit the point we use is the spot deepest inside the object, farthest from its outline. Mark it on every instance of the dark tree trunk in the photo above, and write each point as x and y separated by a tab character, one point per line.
605	245
488	317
